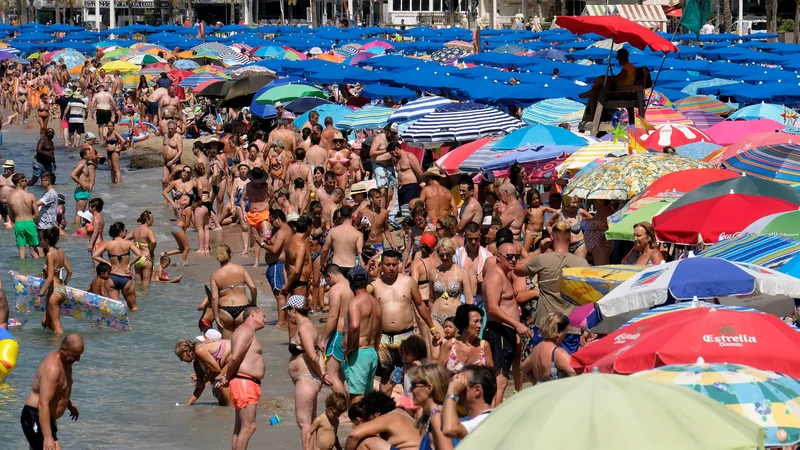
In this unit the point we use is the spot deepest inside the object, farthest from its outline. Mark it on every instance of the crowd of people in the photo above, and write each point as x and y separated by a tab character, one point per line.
430	316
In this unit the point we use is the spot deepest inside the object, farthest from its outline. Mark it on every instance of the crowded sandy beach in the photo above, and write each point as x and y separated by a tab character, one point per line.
419	237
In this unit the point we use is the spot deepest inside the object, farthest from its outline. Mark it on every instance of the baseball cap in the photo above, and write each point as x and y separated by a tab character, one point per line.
393	128
9	163
358	188
357	274
90	135
428	239
287	115
295	301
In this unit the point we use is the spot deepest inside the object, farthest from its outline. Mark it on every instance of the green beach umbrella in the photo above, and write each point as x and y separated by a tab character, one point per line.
740	185
288	92
623	230
114	54
613	412
781	224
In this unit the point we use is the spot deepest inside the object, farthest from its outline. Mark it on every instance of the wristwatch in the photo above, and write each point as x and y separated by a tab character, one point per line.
454	397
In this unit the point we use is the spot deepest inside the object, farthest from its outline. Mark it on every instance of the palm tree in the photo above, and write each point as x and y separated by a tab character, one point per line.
22	6
726	14
772	15
796	22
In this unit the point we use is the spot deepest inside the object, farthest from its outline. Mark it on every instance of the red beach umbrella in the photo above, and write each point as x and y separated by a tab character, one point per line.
715	219
673	135
684	181
619	29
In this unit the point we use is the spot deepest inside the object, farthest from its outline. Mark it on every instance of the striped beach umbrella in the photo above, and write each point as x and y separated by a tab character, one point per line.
772	162
656	116
702	120
554	111
760	249
769	399
673	135
460	122
366	118
186	64
705	103
418	108
759	140
469	158
591	152
781	224
197	79
656	98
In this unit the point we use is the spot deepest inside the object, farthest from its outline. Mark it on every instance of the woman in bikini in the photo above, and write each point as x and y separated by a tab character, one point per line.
202	214
304	365
145	239
119	250
22	100
57	273
447	285
185	210
43	113
548	361
182	183
229	285
209	359
277	172
115	144
143	91
645	250
468	348
429	389
317	237
595	236
339	162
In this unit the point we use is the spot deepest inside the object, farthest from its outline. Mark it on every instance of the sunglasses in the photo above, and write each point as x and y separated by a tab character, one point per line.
512	256
339	141
445	255
414	384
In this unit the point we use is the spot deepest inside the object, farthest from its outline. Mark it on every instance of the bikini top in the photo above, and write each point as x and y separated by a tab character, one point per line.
119	257
339	159
453	288
426	280
297	349
58	273
555	372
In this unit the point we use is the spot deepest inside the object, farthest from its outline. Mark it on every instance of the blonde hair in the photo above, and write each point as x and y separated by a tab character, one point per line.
554	324
561	227
447	245
222	253
649	230
184	346
434	375
449	225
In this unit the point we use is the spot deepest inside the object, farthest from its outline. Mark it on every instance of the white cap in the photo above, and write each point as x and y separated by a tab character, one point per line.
90	135
86	215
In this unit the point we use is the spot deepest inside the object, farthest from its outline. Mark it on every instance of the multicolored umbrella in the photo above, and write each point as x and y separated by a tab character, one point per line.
366	118
628	176
115	54
584	285
592	152
656	98
760	140
730	132
418	108
681	336
778	113
759	249
656	116
460	122
554	111
698	150
704	103
715	219
249	71
769	399
622	230
288	92
546	173
448	55
702	120
740	185
72	58
672	135
195	80
781	224
143	59
646	414
469	158
773	162
532	157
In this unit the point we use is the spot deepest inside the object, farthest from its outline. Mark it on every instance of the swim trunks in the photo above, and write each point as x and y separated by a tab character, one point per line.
408	192
76	128
255	219
334	346
152	108
25	233
385	176
275	276
103	116
360	367
389	349
245	390
82	194
39	168
119	99
503	343
29	419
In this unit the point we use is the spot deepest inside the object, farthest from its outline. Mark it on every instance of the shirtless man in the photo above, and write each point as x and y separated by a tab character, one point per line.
345	241
383	162
171	151
299	169
257	193
299	197
438	200
22	207
471	209
298	259
326	137
408	172
119	97
50	395
330	340
104	106
313	119
169	105
535	220
385	426
400	302
316	155
326	190
84	177
6	188
275	258
513	216
377	222
245	372
331	204
285	133
153	102
363	325
502	315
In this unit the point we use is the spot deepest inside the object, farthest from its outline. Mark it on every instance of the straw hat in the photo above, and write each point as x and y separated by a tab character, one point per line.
434	171
9	164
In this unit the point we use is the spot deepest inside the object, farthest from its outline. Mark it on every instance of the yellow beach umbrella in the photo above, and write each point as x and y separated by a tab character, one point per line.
122	66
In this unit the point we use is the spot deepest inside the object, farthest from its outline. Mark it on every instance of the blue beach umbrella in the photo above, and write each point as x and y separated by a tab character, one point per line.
529	155
334	111
538	135
378	91
186	64
418	108
366	118
552	111
697	150
763	111
460	122
760	249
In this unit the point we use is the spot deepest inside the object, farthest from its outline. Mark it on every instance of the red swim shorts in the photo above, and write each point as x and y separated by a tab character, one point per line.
244	391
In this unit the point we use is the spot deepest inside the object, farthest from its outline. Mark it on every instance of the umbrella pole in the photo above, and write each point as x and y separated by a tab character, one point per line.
647	103
608	67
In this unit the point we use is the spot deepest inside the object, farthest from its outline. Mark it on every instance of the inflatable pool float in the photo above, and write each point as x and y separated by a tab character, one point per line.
139	130
9	350
79	304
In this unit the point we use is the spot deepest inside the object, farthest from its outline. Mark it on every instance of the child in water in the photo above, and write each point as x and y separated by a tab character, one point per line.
161	271
98	285
322	435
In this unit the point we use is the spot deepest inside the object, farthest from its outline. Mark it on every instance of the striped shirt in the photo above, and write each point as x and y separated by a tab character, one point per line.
76	110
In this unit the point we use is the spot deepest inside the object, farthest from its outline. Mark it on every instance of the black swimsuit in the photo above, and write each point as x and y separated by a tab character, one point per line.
234	311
